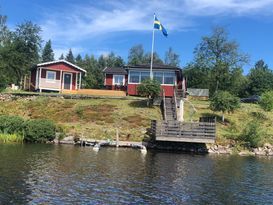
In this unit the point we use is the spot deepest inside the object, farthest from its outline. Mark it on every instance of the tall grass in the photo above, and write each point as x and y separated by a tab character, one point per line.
11	138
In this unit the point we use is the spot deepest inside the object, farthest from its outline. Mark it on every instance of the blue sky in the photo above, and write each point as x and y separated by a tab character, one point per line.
98	27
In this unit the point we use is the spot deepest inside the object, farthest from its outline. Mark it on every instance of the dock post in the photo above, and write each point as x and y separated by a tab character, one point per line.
117	138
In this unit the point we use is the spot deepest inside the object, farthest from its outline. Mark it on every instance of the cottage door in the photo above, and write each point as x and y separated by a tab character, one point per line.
67	81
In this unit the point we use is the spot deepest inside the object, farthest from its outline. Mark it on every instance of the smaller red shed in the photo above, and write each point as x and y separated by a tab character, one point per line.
56	76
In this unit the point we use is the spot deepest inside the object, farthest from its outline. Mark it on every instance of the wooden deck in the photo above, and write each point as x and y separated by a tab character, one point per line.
96	92
174	131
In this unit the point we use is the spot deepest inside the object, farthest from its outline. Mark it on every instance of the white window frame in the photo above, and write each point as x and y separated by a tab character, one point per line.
163	71
51	80
123	81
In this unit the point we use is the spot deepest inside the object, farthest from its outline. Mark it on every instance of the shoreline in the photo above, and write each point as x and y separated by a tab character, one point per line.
212	149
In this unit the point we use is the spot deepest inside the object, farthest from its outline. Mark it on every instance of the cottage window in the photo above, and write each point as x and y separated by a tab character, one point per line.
134	77
169	78
50	75
159	77
144	76
118	79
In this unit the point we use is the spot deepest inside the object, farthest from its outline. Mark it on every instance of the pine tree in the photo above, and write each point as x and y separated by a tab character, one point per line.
70	57
47	53
61	57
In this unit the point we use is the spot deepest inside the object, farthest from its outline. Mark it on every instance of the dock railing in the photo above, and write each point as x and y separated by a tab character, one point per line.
199	132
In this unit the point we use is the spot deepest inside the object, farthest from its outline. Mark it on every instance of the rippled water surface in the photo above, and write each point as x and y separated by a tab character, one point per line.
51	174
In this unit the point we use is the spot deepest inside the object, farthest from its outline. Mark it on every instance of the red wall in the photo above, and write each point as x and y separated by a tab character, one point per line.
109	80
63	67
132	89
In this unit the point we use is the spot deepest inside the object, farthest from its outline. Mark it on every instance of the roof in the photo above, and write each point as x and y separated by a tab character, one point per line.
155	66
61	61
115	70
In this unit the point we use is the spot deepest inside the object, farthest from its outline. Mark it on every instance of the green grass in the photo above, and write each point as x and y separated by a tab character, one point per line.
11	138
92	118
234	122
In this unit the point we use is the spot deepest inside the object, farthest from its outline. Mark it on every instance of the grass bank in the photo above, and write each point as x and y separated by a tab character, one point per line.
235	122
92	118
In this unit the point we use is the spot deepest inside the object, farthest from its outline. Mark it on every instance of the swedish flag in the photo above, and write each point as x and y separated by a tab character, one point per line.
159	26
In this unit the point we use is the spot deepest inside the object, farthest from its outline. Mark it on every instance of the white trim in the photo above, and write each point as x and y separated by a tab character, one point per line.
71	74
50	80
80	83
61	61
76	86
163	71
113	80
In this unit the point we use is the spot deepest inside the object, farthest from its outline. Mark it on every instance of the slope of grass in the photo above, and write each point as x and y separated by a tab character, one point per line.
235	122
92	118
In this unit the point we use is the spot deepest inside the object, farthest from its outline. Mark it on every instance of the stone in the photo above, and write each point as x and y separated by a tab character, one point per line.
246	153
267	145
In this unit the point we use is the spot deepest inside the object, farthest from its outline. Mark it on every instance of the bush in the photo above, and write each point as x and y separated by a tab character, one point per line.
267	101
39	130
253	134
225	102
11	124
149	88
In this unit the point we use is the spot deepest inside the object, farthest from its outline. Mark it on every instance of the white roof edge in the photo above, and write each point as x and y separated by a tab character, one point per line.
62	61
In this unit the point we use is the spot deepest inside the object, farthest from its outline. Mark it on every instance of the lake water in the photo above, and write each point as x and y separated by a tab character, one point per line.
52	174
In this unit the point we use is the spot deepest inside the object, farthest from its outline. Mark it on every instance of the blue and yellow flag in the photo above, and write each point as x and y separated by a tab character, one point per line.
159	26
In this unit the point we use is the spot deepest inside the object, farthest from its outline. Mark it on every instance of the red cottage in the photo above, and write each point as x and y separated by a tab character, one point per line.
56	76
129	77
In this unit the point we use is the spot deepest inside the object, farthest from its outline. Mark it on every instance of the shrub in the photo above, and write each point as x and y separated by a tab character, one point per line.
225	102
39	130
267	101
11	124
253	134
149	88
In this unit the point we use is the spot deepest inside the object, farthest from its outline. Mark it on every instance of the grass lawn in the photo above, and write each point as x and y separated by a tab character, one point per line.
92	118
235	122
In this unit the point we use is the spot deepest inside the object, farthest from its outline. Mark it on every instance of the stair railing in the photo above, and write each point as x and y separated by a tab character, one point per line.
164	105
175	102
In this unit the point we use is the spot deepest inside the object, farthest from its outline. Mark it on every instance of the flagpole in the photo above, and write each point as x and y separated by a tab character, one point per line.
152	53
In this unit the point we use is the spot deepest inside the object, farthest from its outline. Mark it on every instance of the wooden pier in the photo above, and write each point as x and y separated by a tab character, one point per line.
175	131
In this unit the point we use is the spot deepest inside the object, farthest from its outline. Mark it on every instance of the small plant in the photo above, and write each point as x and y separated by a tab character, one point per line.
11	124
253	134
225	102
39	130
149	88
266	102
79	111
11	138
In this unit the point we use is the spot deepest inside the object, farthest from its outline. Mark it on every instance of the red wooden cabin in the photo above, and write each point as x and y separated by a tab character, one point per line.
56	76
129	77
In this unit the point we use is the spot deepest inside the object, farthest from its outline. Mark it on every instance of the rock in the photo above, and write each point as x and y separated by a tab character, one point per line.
246	153
267	145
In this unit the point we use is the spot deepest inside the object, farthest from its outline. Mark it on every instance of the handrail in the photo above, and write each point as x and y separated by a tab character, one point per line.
164	105
175	102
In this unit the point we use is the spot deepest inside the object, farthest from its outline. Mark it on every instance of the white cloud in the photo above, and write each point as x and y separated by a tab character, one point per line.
74	23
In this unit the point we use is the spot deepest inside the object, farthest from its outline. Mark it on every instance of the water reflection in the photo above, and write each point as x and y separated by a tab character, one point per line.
46	174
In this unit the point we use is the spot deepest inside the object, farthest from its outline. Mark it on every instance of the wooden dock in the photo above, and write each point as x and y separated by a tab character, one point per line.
175	131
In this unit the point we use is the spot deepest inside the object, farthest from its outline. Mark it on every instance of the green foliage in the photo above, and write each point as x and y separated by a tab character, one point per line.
217	64
11	138
149	88
47	53
61	57
253	134
260	79
70	57
39	130
136	55
11	124
171	58
267	101
225	102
